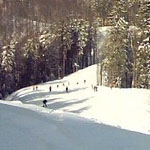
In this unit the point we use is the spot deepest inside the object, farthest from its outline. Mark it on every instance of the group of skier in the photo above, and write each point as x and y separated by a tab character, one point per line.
50	90
94	87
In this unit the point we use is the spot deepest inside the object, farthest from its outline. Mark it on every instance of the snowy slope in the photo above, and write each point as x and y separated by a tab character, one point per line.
31	127
123	108
80	119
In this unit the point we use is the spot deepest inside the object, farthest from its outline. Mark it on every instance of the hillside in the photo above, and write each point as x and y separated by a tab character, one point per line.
80	119
123	108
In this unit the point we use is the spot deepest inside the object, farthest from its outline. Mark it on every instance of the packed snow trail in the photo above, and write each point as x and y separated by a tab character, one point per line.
28	127
123	108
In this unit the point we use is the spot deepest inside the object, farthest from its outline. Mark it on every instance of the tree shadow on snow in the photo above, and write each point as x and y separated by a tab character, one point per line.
40	101
58	105
80	110
27	97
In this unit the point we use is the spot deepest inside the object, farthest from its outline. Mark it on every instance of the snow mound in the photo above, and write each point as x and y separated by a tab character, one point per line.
43	129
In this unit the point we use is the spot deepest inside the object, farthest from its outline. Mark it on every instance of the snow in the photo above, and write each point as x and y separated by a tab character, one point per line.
109	119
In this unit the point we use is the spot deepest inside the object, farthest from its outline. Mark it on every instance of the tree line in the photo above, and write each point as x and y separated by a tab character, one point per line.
46	40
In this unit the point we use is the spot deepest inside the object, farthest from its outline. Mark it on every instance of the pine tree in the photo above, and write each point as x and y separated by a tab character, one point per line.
30	56
114	55
140	44
7	67
120	44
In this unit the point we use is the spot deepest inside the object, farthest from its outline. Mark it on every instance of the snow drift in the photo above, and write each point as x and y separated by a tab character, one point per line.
78	120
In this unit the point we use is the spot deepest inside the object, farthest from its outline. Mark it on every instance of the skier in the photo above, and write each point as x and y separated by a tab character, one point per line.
95	88
67	89
1	96
50	88
44	103
112	84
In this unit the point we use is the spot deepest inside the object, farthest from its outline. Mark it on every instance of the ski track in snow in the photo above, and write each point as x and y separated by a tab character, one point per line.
121	108
78	120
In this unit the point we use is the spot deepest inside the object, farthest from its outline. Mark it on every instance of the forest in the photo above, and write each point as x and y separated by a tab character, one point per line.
44	40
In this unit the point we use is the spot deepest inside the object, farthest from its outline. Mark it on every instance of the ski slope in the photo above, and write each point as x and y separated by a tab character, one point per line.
78	120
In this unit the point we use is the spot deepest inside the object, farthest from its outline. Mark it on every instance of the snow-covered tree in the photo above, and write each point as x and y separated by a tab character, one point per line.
140	38
30	67
143	65
7	67
114	55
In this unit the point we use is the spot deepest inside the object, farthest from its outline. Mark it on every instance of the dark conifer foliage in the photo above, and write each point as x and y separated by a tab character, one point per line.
43	40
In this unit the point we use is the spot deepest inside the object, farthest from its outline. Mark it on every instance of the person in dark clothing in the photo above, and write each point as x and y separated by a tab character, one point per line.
36	87
67	89
50	88
95	88
1	96
44	103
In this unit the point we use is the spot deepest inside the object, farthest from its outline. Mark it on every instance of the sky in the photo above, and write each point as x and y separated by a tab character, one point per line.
80	119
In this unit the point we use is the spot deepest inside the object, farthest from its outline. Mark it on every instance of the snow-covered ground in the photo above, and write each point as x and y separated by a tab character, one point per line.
109	119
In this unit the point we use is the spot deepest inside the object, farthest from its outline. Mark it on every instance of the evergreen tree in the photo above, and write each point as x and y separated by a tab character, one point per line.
122	46
7	68
140	44
30	54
